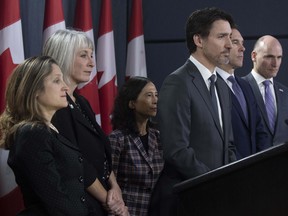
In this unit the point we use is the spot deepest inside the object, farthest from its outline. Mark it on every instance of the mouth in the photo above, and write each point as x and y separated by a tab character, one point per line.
226	54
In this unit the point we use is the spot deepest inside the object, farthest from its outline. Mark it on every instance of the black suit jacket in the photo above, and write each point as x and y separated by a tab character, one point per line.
193	141
87	134
250	135
49	172
280	134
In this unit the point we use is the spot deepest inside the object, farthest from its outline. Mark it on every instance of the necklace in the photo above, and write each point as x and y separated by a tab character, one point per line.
53	127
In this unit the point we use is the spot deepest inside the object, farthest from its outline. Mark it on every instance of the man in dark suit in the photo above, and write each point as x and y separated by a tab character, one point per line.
195	122
271	96
248	129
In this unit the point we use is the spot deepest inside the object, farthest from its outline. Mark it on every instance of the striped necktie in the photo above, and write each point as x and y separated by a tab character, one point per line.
269	104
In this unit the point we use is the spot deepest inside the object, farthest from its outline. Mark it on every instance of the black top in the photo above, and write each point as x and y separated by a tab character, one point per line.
81	128
144	140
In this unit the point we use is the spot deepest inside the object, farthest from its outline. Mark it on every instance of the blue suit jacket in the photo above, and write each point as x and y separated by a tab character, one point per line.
280	134
250	136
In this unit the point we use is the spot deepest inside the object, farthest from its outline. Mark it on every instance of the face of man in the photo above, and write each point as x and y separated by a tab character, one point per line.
215	48
237	50
267	57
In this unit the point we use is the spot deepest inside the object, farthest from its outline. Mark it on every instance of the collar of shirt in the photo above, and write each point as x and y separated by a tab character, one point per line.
205	72
259	79
225	76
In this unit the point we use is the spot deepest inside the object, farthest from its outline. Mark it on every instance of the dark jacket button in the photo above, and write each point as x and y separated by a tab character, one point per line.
82	199
81	179
80	158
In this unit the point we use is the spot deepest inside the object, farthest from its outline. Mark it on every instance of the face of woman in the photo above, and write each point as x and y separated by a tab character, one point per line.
146	103
83	65
53	97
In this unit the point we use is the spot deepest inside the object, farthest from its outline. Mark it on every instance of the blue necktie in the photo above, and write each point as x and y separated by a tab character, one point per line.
213	94
270	105
239	95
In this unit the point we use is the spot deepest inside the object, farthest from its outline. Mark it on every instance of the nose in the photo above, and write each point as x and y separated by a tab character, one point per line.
155	99
65	87
228	43
242	48
91	62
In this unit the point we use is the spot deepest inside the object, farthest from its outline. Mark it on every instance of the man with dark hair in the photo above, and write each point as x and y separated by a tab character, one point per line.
249	133
195	107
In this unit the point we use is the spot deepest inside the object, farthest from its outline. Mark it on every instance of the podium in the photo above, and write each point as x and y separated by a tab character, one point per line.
253	186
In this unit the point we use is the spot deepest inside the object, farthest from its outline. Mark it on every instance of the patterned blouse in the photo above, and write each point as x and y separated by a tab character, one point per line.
136	169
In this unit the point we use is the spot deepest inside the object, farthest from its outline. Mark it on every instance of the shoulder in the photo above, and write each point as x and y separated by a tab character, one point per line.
116	134
154	131
32	137
281	86
32	130
249	78
81	98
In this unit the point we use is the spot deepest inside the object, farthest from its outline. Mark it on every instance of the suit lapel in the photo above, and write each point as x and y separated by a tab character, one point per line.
140	147
279	103
204	92
259	99
237	106
66	142
78	116
236	103
223	94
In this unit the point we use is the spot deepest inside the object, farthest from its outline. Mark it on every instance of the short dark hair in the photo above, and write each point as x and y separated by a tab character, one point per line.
200	22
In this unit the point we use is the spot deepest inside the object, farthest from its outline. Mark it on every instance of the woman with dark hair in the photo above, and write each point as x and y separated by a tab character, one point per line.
136	150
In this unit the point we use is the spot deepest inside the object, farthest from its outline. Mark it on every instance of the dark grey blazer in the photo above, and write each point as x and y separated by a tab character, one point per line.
281	127
193	141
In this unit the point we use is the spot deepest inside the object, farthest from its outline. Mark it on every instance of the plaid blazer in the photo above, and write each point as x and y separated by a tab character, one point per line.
136	170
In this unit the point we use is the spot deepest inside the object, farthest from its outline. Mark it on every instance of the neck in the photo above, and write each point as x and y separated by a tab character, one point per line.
53	127
204	61
72	88
142	127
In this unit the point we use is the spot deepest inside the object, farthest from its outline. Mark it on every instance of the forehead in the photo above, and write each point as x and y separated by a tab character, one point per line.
149	87
84	49
273	48
56	69
220	26
236	35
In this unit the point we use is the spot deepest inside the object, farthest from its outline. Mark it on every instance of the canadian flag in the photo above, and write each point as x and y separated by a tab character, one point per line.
106	66
136	60
11	54
83	21
53	18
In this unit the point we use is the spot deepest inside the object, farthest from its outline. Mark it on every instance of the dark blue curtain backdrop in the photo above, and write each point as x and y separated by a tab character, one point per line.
164	29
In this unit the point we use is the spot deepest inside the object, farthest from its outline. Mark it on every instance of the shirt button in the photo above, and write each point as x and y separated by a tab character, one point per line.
81	179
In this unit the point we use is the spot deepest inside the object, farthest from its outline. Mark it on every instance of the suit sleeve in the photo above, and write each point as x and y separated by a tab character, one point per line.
175	125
